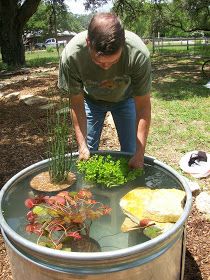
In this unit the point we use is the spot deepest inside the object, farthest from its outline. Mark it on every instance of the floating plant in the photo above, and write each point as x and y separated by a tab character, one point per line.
108	171
63	221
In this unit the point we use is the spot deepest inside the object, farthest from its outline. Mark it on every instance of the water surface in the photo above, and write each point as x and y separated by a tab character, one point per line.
105	230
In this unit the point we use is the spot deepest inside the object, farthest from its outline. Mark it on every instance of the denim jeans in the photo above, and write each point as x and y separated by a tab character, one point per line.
124	116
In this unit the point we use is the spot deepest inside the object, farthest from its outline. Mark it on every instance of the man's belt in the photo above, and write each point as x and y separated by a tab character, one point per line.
101	102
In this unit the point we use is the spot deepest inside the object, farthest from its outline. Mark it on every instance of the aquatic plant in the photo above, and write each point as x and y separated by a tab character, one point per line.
63	219
59	131
108	171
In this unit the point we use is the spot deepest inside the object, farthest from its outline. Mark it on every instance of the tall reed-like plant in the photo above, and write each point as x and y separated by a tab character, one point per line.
59	129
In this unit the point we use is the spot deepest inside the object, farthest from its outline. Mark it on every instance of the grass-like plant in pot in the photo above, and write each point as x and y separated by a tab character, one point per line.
63	221
59	175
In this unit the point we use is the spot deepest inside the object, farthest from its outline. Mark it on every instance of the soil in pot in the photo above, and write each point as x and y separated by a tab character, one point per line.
42	182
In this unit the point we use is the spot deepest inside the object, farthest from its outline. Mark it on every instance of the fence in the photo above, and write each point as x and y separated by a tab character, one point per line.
159	43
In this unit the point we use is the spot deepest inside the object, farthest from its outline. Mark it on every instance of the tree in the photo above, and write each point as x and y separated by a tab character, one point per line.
39	20
94	4
185	15
77	23
13	16
42	21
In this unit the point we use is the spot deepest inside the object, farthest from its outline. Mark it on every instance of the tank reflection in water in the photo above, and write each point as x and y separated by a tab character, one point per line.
106	230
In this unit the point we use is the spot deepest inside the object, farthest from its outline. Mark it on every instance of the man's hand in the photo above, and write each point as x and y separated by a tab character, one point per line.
84	153
80	125
137	161
143	116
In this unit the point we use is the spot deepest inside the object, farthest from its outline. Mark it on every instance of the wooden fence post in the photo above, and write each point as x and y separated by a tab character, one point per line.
153	43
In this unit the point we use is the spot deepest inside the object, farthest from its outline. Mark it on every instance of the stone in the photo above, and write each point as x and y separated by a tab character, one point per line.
128	225
202	202
12	96
194	187
47	106
25	96
159	205
32	100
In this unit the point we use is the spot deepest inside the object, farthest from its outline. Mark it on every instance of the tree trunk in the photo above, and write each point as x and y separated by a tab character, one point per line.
13	17
12	48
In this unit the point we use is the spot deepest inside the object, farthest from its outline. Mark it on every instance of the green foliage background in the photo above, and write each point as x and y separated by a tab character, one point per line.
146	18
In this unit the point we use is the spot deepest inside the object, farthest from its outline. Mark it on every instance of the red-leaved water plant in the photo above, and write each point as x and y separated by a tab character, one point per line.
63	221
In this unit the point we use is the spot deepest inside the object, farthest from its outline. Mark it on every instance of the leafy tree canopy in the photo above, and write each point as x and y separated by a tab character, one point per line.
41	20
142	16
184	15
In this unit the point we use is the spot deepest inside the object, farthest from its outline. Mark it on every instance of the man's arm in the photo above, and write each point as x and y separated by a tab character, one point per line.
143	119
80	125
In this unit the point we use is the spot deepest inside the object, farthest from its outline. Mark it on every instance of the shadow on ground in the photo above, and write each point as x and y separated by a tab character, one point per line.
192	271
178	79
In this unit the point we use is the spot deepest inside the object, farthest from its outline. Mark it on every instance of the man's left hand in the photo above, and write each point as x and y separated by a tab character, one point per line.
137	161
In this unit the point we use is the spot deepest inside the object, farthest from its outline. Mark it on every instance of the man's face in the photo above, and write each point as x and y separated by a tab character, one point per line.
104	61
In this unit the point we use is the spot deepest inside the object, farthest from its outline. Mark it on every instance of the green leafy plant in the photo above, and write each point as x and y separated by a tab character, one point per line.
107	171
63	219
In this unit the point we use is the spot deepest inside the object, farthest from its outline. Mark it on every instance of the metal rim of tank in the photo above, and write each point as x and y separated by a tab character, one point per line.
99	255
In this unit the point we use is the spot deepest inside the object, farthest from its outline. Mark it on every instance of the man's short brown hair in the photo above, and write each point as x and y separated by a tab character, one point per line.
106	33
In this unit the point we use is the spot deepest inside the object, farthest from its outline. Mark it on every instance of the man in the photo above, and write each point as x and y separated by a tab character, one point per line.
108	69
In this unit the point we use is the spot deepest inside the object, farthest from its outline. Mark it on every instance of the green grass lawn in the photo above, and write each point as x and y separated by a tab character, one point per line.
42	58
198	50
180	110
38	58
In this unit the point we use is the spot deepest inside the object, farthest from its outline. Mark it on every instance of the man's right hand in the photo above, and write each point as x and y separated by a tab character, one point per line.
84	153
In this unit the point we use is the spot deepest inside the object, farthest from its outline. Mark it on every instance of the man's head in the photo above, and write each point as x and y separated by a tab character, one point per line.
106	38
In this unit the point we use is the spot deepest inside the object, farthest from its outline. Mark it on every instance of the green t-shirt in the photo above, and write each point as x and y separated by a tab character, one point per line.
129	77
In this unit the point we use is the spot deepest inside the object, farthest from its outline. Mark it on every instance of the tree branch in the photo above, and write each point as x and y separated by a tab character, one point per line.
25	11
93	4
177	23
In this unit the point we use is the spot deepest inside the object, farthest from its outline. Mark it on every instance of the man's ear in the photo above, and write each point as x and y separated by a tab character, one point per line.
88	42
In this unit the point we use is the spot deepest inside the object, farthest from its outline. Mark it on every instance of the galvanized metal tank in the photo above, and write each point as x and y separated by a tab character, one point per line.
160	258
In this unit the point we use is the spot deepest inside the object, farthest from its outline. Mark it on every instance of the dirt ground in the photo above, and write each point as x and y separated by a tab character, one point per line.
23	142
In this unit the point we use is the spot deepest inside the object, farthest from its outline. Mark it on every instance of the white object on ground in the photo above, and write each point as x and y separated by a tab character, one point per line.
199	169
202	202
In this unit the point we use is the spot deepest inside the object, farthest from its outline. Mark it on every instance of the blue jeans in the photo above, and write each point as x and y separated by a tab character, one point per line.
124	116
